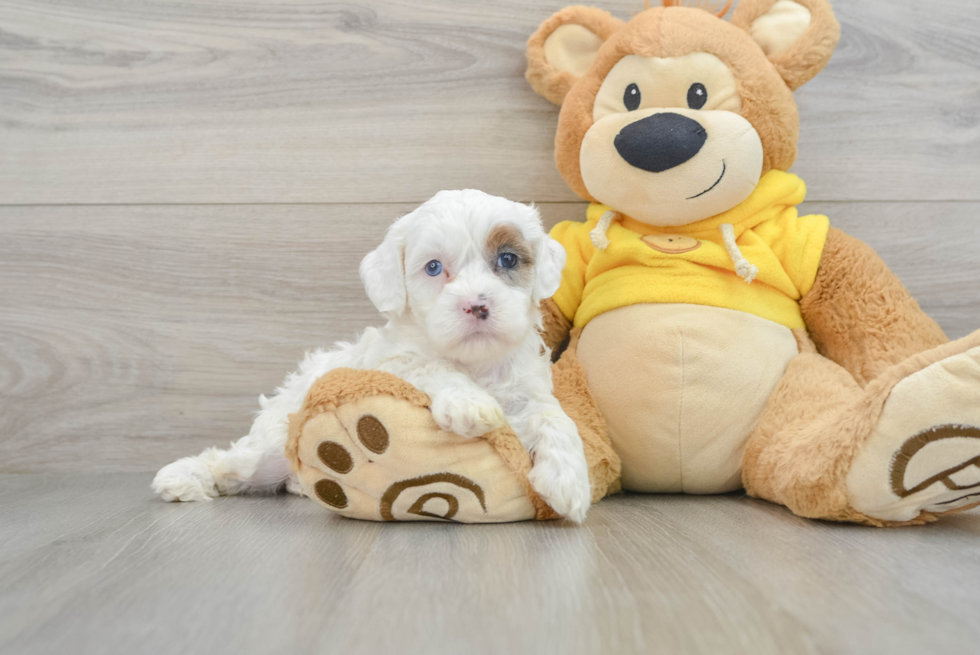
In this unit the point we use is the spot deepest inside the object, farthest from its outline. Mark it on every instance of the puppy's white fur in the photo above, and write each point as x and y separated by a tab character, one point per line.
467	336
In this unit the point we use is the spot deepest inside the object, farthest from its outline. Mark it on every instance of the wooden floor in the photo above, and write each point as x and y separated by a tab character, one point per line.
93	564
186	189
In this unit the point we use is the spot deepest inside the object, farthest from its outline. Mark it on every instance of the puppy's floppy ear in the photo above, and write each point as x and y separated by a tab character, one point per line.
383	273
564	47
547	273
798	36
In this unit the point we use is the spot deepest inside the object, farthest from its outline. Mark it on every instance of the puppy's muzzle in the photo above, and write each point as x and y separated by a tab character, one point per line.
660	142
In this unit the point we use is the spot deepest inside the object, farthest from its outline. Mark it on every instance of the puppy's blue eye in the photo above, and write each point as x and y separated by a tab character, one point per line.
507	260
434	267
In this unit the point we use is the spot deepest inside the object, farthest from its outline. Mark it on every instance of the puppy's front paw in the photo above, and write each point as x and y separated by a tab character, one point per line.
466	412
186	479
564	485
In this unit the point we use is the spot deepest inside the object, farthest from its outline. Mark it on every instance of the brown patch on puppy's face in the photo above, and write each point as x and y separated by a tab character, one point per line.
510	256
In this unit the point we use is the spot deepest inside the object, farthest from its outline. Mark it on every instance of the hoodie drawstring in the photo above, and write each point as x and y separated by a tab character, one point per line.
598	233
745	269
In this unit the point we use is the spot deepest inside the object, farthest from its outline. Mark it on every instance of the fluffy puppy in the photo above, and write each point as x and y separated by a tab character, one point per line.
459	280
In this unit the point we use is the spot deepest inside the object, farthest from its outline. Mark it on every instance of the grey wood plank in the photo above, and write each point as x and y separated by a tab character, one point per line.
119	571
120	101
39	510
133	335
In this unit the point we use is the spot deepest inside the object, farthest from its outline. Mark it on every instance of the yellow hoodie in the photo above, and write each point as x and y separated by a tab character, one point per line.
690	263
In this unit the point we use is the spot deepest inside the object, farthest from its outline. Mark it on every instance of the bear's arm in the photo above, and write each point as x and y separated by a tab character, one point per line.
556	326
860	315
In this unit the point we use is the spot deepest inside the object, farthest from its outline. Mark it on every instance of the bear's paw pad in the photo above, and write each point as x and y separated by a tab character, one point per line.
385	459
924	454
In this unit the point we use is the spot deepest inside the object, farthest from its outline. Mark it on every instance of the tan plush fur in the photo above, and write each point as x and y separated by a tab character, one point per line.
814	426
790	458
556	326
859	313
550	82
572	391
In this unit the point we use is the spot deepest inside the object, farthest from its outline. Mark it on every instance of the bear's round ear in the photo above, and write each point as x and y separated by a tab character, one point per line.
564	47
798	36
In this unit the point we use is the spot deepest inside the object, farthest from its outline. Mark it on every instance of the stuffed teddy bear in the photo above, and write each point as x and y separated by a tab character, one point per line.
710	337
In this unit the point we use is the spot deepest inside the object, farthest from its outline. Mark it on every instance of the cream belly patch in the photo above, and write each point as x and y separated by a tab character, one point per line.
682	387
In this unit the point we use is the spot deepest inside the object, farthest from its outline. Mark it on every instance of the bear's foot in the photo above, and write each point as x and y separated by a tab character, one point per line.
922	459
365	445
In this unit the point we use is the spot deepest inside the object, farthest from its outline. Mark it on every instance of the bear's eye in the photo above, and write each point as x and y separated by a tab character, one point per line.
697	96
632	97
433	268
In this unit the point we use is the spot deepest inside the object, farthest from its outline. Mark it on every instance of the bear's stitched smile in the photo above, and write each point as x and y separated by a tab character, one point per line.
724	168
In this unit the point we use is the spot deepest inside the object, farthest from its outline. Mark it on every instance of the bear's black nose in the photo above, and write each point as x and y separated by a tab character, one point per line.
660	142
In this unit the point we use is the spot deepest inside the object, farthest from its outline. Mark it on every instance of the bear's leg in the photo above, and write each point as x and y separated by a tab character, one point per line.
365	445
902	450
792	455
859	313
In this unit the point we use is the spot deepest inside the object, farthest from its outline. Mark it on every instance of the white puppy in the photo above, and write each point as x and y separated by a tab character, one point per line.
460	280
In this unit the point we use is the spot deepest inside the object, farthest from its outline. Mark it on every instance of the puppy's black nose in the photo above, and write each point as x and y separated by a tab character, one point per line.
480	311
660	142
